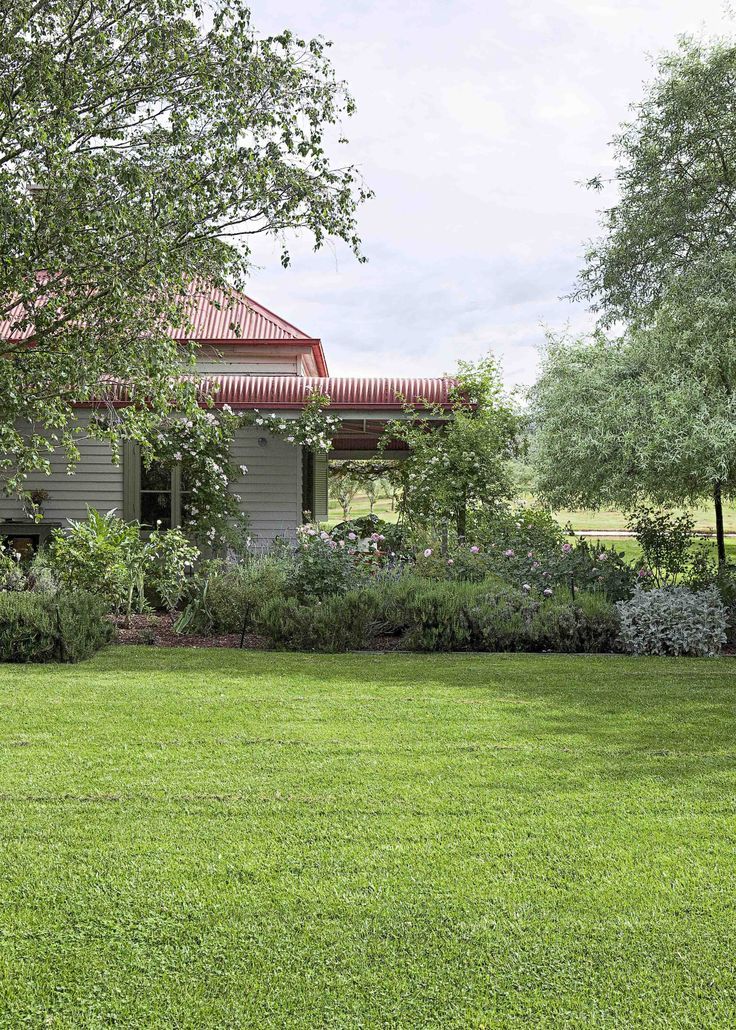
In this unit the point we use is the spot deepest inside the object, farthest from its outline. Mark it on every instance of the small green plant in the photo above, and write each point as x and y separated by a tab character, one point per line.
101	554
107	556
665	540
168	558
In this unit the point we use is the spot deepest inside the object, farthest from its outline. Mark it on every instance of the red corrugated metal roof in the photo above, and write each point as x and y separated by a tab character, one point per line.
291	392
215	317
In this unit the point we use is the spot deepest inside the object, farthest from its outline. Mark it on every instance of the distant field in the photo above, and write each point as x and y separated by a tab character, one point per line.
604	520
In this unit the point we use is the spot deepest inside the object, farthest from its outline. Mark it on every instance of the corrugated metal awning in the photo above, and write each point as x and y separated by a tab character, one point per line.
357	393
247	392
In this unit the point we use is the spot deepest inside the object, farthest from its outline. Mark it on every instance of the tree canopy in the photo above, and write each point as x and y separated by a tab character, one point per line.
648	416
675	181
462	461
142	145
652	414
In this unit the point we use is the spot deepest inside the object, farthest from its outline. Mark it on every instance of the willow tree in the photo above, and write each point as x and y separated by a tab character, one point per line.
675	184
650	415
142	145
654	414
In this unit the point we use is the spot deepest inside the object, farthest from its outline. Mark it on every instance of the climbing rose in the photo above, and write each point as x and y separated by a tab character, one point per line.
548	592
428	553
474	550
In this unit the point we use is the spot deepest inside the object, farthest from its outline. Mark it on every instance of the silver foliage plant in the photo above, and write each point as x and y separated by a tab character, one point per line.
673	621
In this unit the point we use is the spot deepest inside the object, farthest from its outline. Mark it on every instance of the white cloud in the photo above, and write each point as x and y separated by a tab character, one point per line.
475	123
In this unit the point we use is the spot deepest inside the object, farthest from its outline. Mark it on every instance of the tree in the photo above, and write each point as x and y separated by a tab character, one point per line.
370	488
654	414
676	185
651	416
142	145
344	485
461	458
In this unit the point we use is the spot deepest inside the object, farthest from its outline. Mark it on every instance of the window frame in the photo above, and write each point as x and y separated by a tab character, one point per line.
132	487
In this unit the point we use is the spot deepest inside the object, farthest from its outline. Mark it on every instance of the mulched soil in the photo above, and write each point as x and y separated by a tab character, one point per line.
158	630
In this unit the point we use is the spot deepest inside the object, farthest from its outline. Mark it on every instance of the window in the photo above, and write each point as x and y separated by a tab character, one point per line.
154	494
157	495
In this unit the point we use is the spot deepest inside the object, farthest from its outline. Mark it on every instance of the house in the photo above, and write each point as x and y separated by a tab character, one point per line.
256	359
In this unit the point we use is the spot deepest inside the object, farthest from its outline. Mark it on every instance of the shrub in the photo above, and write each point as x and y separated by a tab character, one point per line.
369	527
673	621
343	623
587	566
36	627
322	567
107	556
505	619
522	528
665	540
440	616
567	568
223	597
12	576
101	554
168	557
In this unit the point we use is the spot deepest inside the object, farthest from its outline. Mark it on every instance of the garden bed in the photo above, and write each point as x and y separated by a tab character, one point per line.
158	630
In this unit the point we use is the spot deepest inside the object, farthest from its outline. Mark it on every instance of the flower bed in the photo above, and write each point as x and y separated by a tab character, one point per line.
521	585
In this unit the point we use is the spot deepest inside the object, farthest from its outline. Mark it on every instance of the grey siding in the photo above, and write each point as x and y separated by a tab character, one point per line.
271	491
231	361
96	483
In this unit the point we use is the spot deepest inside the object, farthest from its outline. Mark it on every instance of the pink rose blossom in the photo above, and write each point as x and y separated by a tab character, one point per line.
428	553
474	550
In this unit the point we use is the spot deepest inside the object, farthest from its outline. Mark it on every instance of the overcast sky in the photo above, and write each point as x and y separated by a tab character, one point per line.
477	120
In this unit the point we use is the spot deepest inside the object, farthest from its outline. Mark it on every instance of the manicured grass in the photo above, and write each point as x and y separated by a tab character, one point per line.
632	551
605	519
219	839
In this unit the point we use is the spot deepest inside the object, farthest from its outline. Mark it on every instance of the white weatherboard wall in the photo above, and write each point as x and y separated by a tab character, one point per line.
95	483
235	360
271	492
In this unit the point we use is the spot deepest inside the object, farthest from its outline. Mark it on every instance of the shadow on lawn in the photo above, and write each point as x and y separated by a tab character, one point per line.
615	706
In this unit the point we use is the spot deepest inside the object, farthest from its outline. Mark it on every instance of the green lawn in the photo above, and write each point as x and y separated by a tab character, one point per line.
632	551
220	839
605	519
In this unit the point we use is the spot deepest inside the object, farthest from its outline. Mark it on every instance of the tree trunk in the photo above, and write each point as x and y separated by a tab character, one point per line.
444	540
461	523
720	536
